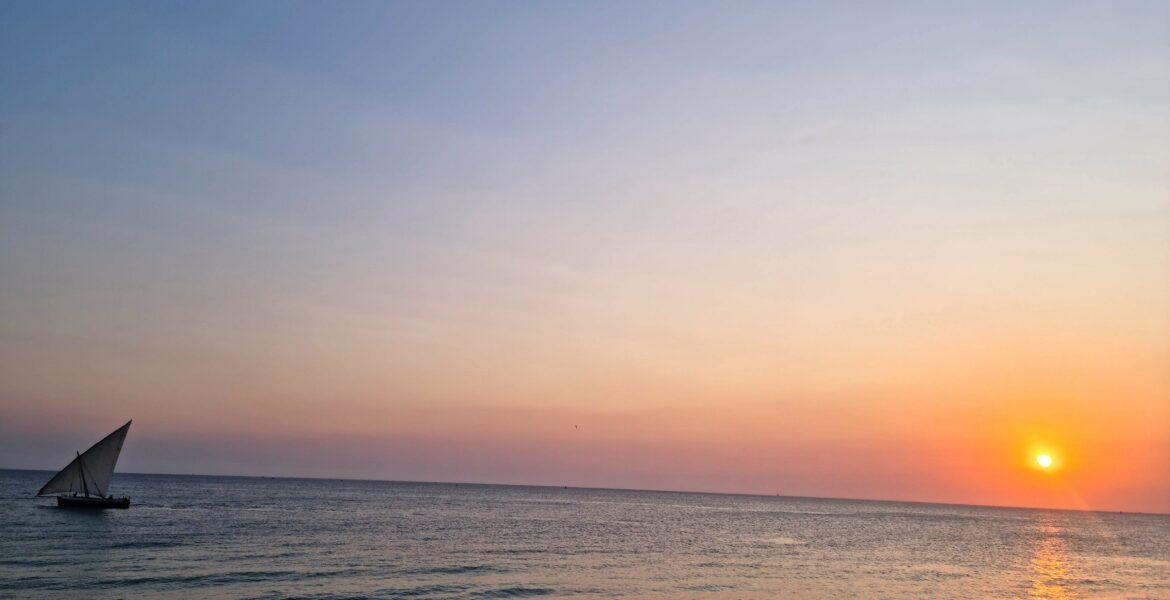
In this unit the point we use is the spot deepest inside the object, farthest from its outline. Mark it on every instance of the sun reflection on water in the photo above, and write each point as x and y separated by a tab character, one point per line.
1050	565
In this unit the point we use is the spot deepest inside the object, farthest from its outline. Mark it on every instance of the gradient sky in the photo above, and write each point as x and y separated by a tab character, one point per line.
810	249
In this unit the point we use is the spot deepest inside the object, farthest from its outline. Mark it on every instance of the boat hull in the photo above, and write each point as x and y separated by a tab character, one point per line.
91	502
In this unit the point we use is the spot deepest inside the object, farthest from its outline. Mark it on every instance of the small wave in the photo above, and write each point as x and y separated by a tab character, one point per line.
935	572
784	541
710	587
34	562
337	573
456	570
195	580
20	582
420	591
514	592
139	545
415	592
517	551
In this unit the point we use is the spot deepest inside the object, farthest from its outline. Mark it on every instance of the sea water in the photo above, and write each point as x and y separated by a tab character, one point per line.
237	537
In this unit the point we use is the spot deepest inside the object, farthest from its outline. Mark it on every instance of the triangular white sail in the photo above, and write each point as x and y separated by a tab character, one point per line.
91	471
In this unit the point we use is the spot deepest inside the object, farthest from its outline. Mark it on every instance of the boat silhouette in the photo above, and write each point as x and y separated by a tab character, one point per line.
85	481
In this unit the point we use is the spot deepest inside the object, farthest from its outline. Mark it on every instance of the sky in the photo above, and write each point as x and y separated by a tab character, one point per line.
854	250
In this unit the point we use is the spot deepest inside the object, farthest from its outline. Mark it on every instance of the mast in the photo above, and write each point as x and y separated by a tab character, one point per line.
81	469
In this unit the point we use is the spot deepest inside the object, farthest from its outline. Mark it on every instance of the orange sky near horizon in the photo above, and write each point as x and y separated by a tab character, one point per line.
943	424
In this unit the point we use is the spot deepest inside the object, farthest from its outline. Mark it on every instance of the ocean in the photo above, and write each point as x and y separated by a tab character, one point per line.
245	537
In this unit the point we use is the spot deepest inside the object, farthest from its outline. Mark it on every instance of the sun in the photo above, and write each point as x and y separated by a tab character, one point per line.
1042	457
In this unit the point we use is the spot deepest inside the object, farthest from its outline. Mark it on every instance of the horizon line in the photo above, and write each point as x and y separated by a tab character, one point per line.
619	489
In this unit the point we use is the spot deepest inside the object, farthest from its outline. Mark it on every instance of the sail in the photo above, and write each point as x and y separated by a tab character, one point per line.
91	471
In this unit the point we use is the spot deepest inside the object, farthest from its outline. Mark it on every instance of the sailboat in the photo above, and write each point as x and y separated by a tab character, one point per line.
85	482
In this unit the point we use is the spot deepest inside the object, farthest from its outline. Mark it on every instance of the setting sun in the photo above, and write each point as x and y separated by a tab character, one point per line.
1044	461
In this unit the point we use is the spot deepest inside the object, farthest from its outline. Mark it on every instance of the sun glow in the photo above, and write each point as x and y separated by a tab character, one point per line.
1043	456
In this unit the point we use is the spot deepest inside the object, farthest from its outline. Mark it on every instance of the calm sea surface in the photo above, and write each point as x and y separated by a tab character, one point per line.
234	537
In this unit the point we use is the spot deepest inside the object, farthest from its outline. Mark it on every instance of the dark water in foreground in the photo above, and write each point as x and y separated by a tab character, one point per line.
227	537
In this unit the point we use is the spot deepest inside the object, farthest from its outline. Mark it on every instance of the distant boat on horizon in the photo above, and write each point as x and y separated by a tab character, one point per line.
85	482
